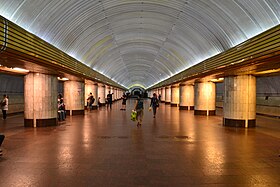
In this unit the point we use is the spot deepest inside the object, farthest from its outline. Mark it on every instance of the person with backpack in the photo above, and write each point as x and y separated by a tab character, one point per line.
90	101
154	104
139	108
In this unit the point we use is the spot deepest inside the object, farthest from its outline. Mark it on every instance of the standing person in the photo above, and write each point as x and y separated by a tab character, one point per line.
4	106
139	108
159	97
2	137
61	107
109	99
98	102
154	104
124	98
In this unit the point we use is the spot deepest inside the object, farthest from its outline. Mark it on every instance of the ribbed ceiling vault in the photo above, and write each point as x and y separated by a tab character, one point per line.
138	42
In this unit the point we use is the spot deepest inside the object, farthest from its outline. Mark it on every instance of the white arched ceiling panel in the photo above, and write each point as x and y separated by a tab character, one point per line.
141	42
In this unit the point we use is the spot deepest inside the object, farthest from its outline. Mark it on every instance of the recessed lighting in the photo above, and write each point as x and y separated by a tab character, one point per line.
268	71
217	80
20	69
62	79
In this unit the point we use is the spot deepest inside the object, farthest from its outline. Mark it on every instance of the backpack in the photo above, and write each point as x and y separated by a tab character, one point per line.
140	104
155	102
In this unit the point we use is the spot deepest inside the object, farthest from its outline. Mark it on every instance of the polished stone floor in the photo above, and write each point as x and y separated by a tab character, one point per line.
105	148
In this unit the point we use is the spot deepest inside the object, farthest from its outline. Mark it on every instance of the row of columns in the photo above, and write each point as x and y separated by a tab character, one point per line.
239	105
40	98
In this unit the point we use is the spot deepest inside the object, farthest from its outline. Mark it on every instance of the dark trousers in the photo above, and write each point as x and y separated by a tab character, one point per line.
2	137
4	114
109	104
154	110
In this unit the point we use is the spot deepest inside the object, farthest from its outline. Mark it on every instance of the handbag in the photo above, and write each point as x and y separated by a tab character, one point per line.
133	115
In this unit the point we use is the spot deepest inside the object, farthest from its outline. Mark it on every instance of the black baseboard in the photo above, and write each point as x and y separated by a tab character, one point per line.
41	122
239	123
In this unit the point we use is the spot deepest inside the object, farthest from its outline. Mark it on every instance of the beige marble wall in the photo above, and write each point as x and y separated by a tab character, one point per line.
240	97
40	96
167	94
186	95
175	94
74	95
163	94
101	93
205	94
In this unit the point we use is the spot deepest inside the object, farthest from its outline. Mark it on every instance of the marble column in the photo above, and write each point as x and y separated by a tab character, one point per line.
186	97
163	94
40	100
205	99
107	89
95	95
240	101
174	95
159	91
167	95
115	94
101	94
74	97
118	94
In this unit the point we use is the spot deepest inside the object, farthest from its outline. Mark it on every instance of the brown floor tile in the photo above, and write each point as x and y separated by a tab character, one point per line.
105	148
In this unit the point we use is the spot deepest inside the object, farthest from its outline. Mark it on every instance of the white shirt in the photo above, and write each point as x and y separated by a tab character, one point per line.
6	106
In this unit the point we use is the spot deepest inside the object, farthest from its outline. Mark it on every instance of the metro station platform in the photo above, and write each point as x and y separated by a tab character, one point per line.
105	148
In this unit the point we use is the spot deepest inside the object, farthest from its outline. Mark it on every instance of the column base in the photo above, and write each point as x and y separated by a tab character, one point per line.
204	112
239	122
167	103
162	101
183	107
191	107
75	112
173	105
40	122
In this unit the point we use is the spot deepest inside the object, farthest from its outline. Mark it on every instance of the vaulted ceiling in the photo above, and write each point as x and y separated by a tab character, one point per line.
142	42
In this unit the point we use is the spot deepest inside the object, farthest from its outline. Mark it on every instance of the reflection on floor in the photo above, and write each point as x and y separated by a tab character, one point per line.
105	148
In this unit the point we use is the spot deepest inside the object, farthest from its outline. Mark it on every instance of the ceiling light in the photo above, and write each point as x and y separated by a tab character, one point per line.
62	79
217	80
268	71
20	69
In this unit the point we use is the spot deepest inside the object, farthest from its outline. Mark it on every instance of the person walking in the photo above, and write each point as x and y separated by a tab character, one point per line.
154	104
139	108
124	98
4	106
